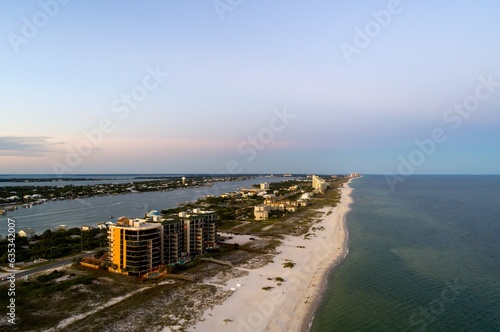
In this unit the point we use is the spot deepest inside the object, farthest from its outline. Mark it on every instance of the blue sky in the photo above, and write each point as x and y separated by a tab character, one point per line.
249	86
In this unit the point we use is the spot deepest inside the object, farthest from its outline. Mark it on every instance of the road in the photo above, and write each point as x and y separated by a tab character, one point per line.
50	266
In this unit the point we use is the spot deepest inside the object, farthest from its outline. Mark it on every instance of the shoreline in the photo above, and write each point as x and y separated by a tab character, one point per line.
308	318
260	303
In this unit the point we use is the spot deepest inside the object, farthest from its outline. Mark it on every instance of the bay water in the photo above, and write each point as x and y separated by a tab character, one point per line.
92	210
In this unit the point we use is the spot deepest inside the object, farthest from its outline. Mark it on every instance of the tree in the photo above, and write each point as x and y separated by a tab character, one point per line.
47	234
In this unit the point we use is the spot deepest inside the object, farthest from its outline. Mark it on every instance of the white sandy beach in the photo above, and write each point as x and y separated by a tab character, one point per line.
288	305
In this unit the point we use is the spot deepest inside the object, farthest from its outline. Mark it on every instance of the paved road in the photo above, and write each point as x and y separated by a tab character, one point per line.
54	265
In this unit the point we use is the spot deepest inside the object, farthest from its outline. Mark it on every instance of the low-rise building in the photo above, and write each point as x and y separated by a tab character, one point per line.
28	232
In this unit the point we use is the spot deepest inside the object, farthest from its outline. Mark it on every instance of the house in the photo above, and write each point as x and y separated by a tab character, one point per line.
28	232
105	225
305	196
92	262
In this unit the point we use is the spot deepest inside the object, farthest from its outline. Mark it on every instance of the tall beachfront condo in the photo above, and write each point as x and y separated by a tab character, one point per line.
135	246
140	246
173	240
199	231
318	183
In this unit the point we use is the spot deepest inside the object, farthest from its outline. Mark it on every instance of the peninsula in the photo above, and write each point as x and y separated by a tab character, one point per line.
264	274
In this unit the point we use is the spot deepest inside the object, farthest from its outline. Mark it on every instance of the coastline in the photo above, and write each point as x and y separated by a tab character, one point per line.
260	303
330	265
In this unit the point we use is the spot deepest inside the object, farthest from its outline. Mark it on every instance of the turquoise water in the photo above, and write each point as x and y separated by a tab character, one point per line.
425	257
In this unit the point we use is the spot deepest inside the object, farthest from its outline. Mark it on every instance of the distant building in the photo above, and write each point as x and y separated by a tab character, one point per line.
105	225
28	232
305	196
261	212
318	183
264	186
153	215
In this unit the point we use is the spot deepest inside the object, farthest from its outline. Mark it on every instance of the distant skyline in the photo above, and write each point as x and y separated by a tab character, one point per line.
259	87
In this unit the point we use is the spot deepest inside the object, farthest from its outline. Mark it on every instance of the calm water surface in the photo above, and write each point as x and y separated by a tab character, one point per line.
425	257
90	211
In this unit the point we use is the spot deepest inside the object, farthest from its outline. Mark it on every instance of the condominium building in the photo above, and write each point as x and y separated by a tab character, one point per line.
200	231
135	246
173	240
318	183
261	212
140	246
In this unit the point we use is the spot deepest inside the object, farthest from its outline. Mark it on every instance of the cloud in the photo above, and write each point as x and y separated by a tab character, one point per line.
26	145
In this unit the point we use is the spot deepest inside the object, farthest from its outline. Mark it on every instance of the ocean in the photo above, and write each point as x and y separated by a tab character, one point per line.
425	257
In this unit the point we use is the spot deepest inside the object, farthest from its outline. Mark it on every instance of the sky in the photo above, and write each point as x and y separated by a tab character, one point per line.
239	86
